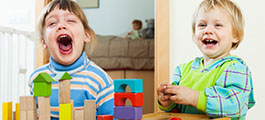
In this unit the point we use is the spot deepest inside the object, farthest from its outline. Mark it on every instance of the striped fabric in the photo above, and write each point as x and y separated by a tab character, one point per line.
89	83
225	87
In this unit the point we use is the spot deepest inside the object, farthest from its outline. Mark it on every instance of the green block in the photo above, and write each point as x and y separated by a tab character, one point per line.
63	76
42	89
43	85
43	77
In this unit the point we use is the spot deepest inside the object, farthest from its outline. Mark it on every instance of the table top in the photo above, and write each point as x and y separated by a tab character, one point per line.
183	116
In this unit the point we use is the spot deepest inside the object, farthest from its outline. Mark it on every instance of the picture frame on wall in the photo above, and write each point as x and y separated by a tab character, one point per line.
88	3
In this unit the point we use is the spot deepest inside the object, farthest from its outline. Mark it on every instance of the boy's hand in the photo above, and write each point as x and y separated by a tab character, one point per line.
162	97
182	95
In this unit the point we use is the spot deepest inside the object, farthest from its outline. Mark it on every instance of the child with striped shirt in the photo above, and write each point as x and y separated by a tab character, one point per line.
64	31
218	84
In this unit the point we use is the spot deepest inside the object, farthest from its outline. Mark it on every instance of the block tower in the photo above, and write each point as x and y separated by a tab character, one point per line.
121	111
42	90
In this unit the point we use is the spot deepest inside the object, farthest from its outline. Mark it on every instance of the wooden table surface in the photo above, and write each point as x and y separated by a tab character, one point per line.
166	116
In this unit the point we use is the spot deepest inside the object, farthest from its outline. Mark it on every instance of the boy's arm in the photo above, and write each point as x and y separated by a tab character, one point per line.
230	96
105	99
175	81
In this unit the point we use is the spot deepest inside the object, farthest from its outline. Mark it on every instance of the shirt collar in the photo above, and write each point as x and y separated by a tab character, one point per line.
78	65
198	63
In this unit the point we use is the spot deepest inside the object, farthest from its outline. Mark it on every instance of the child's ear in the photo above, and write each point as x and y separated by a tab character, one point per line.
87	37
235	40
43	43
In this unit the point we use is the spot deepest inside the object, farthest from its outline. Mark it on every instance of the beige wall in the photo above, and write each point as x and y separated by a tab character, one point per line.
251	50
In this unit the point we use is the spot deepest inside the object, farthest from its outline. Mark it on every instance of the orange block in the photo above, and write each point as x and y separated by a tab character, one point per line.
136	99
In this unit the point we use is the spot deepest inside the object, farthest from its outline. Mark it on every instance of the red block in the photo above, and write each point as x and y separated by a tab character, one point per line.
174	118
136	99
104	117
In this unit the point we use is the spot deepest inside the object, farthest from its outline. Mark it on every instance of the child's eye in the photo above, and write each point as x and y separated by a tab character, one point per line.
51	23
202	25
73	21
219	25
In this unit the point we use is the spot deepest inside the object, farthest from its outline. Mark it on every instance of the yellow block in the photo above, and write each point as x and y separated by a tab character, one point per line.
17	111
7	111
65	111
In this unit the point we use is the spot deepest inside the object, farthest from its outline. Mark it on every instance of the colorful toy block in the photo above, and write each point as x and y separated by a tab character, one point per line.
17	111
104	117
174	118
65	111
127	112
135	98
42	85
62	76
7	111
136	85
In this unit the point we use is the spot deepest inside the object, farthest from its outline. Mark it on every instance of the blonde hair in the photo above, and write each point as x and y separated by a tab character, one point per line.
234	12
72	7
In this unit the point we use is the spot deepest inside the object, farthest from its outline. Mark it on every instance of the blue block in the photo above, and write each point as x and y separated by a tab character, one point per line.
136	85
128	112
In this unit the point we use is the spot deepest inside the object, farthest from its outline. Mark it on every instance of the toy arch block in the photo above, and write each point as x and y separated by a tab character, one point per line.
43	85
136	99
127	112
136	85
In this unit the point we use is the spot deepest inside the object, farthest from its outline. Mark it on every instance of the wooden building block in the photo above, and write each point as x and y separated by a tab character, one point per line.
43	85
136	85
64	87
7	111
90	109
127	112
17	112
44	108
23	115
65	111
135	98
27	103
32	115
79	115
64	91
104	117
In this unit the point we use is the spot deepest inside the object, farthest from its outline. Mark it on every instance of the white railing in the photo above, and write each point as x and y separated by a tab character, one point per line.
17	61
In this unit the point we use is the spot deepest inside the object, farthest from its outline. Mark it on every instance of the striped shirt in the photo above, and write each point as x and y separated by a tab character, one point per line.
89	82
225	87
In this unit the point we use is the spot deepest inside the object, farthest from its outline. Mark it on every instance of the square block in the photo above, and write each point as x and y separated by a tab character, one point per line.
127	112
65	111
27	103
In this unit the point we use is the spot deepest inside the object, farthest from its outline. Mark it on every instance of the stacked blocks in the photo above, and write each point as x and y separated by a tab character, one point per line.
136	97
27	109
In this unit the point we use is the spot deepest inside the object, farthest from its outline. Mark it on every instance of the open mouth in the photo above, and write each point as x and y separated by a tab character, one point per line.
210	42
65	43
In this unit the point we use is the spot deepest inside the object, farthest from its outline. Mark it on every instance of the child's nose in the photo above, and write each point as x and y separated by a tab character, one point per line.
208	30
61	27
